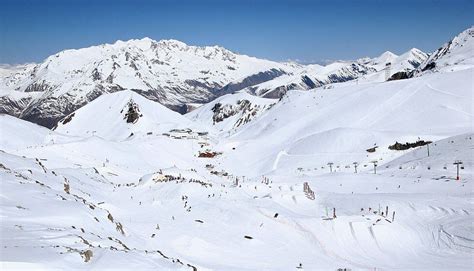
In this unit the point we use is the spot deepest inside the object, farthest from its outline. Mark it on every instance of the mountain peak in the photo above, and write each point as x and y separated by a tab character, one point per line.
173	43
456	54
415	50
387	55
147	42
380	61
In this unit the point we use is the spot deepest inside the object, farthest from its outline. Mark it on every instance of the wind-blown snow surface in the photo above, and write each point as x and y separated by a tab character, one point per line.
74	198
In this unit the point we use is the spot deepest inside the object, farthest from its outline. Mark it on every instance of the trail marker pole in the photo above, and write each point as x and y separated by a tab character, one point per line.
375	166
330	166
457	163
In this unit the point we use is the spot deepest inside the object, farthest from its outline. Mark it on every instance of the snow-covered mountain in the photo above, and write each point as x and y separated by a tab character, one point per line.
310	76
457	54
366	69
408	61
340	123
231	111
167	71
307	77
120	115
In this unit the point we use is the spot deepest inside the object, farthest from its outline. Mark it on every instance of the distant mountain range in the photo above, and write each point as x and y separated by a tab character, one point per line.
182	77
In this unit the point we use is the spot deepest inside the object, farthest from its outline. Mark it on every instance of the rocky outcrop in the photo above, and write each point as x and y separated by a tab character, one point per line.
408	145
38	87
12	106
48	111
401	75
133	112
56	108
244	109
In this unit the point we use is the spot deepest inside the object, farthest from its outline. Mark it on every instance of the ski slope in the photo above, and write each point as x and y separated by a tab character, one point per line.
315	128
160	226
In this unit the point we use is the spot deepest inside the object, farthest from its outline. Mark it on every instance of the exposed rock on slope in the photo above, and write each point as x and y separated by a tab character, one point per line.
133	112
231	111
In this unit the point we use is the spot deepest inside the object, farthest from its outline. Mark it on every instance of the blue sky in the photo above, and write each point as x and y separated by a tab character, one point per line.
308	31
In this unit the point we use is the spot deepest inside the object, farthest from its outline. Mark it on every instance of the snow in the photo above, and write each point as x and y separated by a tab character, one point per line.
90	195
204	114
457	54
105	117
167	71
382	111
179	62
26	134
364	70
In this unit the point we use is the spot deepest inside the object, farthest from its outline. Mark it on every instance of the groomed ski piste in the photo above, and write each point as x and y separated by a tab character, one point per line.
335	177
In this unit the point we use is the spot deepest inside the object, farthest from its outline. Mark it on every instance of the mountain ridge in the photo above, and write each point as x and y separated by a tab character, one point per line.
176	75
